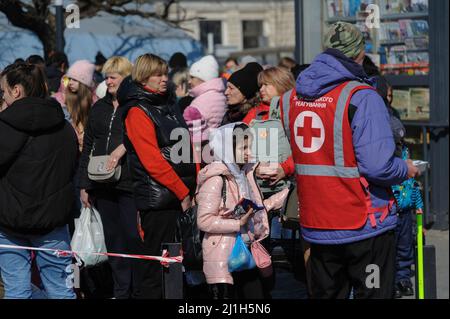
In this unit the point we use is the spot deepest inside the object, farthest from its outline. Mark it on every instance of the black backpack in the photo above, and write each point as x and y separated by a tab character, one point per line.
191	237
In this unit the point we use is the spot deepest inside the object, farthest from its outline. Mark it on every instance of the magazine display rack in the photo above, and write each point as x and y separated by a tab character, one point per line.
399	46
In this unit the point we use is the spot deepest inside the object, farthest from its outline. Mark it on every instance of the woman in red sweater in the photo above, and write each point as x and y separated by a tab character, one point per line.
162	189
273	82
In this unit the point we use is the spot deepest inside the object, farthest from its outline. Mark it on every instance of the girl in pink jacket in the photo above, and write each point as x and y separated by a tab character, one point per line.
209	105
232	160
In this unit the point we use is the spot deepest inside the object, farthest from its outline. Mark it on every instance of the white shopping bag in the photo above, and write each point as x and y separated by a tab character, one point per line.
89	238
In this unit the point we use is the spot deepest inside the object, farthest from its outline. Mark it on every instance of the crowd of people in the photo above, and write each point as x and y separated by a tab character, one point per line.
340	150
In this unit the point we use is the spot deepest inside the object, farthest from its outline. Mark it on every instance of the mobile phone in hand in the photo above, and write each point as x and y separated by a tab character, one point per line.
244	206
247	204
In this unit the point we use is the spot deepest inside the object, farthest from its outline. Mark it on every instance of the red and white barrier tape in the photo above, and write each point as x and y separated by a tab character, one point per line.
164	260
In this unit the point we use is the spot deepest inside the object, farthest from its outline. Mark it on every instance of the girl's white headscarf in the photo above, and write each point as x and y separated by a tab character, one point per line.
221	143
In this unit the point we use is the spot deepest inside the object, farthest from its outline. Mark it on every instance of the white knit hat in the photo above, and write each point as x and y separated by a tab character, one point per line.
205	69
101	90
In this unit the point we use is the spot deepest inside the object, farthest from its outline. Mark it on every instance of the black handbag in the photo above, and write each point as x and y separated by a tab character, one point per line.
191	237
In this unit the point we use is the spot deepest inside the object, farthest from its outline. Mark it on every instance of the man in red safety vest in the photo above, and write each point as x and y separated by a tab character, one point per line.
343	151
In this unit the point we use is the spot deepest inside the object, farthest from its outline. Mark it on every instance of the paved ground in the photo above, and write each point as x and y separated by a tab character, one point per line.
440	240
290	281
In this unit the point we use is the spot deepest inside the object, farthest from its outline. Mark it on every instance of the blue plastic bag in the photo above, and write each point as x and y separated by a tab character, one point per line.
241	258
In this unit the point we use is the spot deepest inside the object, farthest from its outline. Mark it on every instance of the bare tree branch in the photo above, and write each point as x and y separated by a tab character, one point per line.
36	16
167	6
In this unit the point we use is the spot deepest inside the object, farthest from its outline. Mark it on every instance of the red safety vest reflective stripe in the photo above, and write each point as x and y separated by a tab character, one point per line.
332	194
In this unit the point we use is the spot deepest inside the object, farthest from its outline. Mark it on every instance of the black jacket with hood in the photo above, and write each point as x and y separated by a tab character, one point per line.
38	151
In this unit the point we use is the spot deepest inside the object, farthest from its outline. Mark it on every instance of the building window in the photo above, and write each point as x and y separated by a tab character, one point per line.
214	27
253	34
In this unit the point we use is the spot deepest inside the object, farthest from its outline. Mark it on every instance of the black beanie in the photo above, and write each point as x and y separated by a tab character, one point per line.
246	79
100	59
178	60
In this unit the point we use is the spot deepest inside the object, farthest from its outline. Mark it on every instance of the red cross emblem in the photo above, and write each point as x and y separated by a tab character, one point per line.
309	132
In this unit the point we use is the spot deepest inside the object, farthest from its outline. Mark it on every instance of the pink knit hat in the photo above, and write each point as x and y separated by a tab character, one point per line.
82	71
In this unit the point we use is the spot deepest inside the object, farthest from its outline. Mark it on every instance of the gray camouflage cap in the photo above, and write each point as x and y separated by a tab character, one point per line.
345	37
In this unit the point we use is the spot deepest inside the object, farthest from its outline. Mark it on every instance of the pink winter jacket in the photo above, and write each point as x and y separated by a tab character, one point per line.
207	109
220	231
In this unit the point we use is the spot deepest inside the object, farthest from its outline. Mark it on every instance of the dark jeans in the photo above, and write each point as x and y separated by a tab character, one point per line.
76	208
248	284
159	227
335	269
405	247
119	217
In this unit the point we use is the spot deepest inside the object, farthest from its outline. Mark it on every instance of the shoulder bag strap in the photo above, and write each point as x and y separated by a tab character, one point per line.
224	190
274	108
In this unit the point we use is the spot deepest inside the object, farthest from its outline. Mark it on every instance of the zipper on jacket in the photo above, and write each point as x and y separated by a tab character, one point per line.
113	116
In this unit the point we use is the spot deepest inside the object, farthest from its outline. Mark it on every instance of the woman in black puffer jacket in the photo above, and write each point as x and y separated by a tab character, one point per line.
162	187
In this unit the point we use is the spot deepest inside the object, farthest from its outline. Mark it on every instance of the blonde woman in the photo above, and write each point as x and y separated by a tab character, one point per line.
180	80
273	82
162	188
114	200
